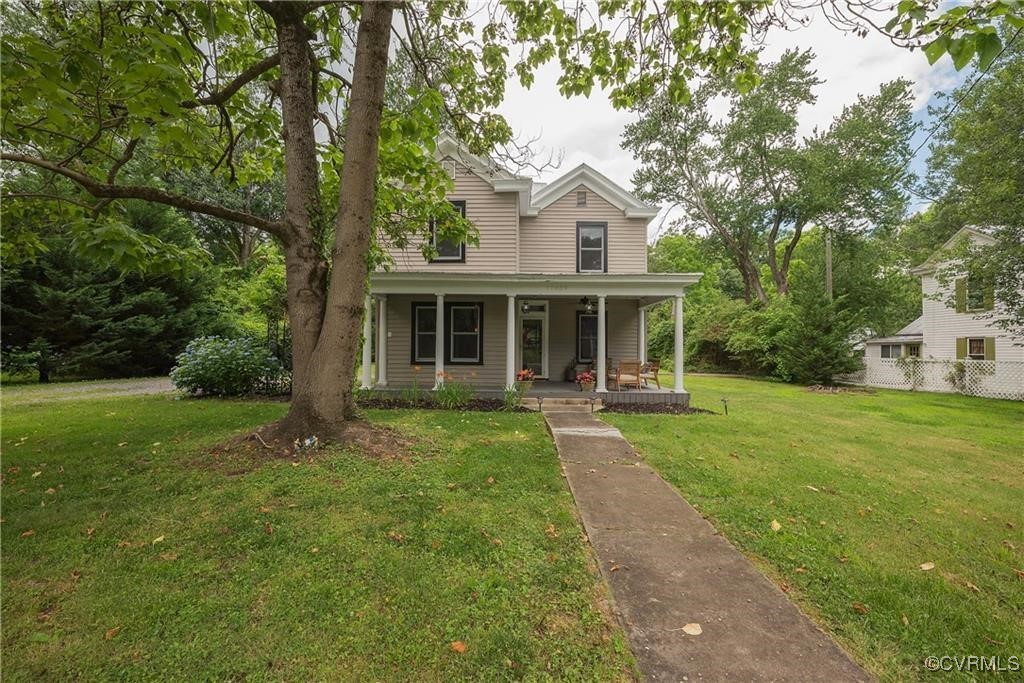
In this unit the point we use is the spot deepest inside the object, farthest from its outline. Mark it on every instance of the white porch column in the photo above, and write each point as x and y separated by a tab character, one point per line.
602	345
439	342
382	340
677	365
510	343
641	333
367	341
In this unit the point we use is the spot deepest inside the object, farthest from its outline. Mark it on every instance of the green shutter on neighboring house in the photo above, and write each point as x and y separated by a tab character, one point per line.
961	295
961	347
990	348
990	298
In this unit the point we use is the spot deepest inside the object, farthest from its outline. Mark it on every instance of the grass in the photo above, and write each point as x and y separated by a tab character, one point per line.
866	487
148	560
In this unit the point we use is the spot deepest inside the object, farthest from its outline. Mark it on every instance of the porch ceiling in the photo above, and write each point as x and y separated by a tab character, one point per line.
648	287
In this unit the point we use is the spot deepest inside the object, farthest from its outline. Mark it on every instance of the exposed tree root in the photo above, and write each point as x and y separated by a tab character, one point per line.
281	440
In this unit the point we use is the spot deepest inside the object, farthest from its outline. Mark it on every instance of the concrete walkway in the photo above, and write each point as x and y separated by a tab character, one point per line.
667	567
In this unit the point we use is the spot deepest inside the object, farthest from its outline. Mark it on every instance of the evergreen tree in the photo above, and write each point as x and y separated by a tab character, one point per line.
77	318
817	343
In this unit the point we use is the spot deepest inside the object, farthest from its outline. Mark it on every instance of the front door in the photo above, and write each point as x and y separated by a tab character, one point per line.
533	337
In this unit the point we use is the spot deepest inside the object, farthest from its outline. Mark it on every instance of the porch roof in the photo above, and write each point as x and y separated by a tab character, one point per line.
648	287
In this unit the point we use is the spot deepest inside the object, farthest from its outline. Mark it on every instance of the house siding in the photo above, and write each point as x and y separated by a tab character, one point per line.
548	241
942	326
622	339
496	217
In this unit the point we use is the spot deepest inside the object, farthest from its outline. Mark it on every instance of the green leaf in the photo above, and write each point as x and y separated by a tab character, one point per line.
935	49
989	47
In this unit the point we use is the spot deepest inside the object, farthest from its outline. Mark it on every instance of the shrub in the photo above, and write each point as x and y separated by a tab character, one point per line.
512	398
228	367
453	395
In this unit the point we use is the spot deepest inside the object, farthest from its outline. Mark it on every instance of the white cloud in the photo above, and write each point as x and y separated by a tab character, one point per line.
590	129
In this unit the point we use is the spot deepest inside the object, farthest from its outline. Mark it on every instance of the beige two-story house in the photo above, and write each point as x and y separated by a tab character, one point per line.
558	280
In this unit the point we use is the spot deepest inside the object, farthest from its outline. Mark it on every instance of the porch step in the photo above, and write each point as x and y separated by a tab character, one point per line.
554	404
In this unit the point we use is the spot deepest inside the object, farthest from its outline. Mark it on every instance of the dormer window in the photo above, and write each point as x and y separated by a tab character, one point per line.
448	251
581	198
591	247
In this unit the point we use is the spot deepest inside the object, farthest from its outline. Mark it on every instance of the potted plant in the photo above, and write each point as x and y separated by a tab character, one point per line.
524	380
586	380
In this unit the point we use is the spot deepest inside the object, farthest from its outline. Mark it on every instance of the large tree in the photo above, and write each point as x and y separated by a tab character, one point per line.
754	183
976	174
86	85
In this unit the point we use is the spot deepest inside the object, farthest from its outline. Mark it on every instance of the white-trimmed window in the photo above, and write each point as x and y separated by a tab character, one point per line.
466	328
448	251
976	348
424	333
591	247
892	350
913	350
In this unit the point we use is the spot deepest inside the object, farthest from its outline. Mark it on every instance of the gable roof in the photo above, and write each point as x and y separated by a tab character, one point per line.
535	197
613	193
967	232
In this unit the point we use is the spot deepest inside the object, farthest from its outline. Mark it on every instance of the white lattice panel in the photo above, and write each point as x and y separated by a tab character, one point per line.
992	379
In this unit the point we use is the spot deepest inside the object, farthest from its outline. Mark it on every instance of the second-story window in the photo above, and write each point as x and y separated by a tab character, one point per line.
449	251
591	247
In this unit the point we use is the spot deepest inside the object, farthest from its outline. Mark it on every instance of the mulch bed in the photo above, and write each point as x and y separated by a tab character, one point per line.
822	389
484	405
652	408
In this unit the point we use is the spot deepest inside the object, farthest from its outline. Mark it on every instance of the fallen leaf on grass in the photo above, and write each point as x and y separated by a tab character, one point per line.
51	490
859	608
158	539
551	531
812	488
89	532
906	622
693	629
776	526
30	532
927	566
168	556
269	528
458	646
972	587
800	570
490	480
264	509
111	632
395	536
1020	574
314	550
122	444
36	474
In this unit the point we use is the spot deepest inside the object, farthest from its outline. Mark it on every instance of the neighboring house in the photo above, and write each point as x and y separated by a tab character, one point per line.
558	279
956	324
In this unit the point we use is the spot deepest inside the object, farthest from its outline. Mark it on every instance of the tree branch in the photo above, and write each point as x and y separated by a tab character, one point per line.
102	190
247	76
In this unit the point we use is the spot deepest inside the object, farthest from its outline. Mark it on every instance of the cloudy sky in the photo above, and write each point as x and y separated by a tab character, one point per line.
589	130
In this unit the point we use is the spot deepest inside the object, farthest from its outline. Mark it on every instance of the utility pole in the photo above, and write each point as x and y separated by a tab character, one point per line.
828	263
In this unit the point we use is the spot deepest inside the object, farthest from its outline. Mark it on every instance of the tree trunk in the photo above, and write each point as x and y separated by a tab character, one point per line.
305	269
322	398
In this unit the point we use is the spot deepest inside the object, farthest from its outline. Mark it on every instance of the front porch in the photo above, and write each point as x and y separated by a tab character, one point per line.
481	329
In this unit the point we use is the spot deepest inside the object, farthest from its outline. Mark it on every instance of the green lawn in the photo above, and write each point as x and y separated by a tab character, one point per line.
129	553
867	488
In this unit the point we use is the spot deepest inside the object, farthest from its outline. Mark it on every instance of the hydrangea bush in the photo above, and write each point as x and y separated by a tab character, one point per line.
228	367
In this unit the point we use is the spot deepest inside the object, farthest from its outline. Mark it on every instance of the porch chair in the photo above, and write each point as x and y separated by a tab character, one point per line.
649	371
626	373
